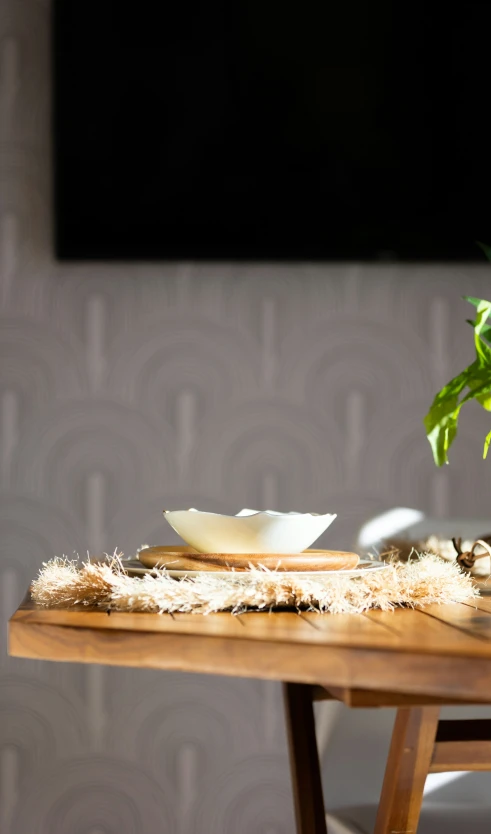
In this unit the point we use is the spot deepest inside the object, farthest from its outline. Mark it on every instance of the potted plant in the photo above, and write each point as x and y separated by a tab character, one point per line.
474	383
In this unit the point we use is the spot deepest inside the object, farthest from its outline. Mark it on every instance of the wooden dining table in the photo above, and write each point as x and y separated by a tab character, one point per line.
415	660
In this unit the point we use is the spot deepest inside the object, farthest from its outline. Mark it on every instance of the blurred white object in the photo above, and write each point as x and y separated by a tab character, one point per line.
250	531
407	523
391	523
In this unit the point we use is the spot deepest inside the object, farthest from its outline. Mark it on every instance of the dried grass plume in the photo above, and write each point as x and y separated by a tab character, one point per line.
418	582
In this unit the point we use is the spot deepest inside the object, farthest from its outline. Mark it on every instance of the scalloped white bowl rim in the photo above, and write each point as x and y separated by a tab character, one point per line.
248	531
245	513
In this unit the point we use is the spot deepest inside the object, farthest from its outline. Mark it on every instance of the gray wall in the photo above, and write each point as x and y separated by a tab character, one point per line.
128	388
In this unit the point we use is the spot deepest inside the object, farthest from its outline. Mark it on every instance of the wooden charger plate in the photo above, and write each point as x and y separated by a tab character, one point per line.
182	558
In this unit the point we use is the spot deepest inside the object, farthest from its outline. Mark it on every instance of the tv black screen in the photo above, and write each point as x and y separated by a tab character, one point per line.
271	129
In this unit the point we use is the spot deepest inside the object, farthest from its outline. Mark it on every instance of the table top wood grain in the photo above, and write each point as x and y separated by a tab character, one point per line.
443	650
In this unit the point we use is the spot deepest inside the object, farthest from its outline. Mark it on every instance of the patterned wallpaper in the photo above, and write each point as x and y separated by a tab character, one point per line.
128	388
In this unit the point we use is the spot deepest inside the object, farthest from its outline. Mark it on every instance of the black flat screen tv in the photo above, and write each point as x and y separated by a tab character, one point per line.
271	130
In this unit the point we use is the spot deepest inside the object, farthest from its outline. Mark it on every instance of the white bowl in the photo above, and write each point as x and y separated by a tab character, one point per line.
250	531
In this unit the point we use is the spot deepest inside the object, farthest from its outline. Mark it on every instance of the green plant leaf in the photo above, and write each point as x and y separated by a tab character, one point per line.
480	392
441	422
485	401
479	383
483	309
475	301
485	330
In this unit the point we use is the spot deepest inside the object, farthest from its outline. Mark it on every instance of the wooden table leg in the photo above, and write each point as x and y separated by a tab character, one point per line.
304	759
411	749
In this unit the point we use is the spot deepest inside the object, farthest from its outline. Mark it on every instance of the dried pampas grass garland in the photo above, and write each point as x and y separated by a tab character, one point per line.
417	582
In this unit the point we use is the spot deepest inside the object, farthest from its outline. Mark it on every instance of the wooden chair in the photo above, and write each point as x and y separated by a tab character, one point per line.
421	744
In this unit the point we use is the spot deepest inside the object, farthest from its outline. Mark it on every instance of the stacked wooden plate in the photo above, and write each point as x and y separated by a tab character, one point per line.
184	561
